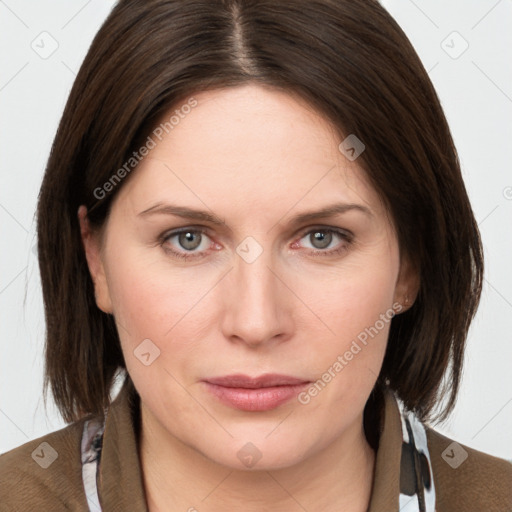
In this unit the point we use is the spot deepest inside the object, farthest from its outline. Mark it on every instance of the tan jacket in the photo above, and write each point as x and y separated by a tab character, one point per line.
46	474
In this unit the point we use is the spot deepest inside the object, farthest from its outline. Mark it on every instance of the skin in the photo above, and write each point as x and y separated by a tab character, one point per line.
253	157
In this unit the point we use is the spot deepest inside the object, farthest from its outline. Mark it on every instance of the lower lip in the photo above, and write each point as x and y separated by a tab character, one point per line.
260	399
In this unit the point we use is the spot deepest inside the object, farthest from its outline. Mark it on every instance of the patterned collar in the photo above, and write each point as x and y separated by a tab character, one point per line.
417	492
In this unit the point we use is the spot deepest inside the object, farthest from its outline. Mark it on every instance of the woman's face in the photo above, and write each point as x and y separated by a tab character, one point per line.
250	288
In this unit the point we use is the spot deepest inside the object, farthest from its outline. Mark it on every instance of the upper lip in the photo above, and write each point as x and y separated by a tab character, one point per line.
263	381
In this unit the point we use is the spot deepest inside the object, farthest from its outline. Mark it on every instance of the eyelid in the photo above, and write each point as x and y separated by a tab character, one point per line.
333	229
347	239
202	230
345	234
185	255
301	233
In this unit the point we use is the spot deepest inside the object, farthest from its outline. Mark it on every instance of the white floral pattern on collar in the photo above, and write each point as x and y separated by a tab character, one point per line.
417	490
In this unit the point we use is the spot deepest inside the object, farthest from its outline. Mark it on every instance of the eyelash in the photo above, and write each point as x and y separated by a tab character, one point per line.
346	236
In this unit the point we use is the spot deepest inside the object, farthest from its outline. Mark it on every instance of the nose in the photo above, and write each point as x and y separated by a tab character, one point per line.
257	308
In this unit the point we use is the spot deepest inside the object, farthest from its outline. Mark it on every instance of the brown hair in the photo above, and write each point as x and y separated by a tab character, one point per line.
352	63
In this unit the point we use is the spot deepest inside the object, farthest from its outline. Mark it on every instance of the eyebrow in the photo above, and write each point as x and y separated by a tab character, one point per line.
202	215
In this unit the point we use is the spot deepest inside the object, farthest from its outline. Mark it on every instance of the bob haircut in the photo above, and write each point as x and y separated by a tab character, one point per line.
352	63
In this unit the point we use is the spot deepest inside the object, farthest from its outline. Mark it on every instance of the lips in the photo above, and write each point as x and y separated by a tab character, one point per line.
263	381
261	393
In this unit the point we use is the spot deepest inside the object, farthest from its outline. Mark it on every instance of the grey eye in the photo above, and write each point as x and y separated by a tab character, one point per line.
320	239
189	240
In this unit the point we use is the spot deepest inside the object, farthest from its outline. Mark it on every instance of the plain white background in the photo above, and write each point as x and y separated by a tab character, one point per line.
465	46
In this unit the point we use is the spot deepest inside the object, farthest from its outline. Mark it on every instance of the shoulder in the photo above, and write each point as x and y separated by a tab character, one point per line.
467	479
45	473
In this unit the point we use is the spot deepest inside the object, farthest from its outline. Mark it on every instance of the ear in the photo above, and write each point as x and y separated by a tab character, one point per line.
92	246
407	284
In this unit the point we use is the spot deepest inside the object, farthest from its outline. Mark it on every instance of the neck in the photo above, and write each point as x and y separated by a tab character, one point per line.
179	478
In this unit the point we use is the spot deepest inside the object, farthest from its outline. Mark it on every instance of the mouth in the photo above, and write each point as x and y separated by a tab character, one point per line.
262	393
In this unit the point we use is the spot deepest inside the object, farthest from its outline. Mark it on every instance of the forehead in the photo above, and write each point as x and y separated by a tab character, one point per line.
249	147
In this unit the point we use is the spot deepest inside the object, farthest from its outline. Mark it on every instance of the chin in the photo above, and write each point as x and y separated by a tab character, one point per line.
258	454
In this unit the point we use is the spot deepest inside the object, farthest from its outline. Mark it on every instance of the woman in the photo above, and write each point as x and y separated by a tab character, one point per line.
254	214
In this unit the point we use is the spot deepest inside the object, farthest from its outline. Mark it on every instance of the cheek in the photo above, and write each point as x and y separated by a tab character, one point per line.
352	299
155	300
356	307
